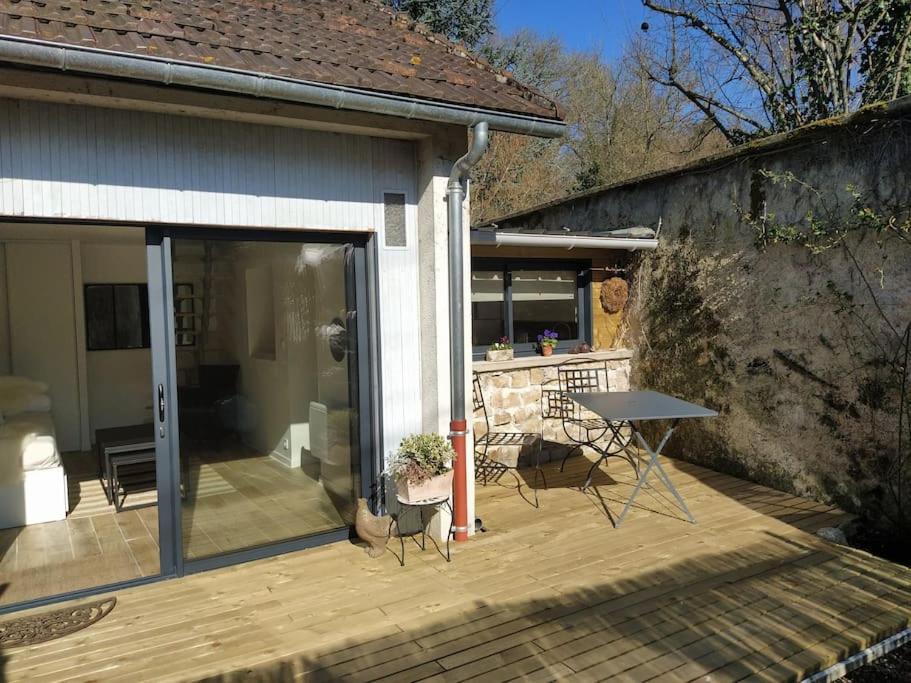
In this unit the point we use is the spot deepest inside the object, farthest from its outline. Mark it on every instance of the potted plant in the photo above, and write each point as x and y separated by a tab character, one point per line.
422	468
500	350
547	340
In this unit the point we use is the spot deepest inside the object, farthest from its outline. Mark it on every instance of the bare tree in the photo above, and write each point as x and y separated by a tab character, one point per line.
756	67
619	124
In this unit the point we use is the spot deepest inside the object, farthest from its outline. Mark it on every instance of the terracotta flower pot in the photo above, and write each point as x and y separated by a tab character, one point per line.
547	350
437	487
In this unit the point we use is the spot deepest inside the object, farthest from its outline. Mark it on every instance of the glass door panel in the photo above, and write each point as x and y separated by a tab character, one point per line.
265	357
78	499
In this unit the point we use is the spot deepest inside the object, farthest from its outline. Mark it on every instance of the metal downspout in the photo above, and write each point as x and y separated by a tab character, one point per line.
458	425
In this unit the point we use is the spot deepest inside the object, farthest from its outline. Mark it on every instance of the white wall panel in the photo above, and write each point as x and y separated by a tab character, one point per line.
72	162
64	161
394	167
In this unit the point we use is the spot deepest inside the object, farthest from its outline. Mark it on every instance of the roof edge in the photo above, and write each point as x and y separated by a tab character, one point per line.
165	71
461	50
869	113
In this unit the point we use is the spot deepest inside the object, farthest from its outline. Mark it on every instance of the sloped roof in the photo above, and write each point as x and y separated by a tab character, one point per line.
353	43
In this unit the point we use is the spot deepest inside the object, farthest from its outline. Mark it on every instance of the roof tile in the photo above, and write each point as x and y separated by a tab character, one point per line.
357	43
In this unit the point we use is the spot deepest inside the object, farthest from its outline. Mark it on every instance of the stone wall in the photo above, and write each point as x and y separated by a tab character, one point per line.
513	392
795	346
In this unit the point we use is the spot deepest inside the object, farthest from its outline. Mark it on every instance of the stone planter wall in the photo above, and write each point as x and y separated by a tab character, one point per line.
513	393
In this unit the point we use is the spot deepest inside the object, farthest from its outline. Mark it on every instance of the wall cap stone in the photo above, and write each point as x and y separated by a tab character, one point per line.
545	361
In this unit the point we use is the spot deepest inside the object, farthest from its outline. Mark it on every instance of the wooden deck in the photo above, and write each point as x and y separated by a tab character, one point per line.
554	593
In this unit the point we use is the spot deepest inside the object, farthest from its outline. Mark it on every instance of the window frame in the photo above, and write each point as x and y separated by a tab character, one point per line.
506	266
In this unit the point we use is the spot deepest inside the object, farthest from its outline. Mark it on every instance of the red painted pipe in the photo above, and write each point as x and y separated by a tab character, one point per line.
457	430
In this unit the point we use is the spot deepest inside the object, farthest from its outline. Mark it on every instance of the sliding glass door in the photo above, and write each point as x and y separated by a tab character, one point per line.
261	414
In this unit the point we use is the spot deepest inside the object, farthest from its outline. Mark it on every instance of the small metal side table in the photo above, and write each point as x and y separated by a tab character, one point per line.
420	506
115	441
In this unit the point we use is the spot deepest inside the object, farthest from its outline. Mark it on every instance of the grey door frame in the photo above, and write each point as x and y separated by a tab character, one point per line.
161	331
167	427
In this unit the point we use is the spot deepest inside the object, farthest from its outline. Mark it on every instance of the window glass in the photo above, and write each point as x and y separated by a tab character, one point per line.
544	299
99	317
128	308
116	317
487	307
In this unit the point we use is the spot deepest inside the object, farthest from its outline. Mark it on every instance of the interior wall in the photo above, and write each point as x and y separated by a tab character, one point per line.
42	324
263	381
43	329
119	381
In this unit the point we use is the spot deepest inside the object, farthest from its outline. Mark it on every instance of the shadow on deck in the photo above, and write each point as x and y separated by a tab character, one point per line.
552	593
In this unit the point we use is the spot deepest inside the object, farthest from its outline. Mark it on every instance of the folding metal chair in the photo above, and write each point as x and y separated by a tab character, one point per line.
584	428
488	469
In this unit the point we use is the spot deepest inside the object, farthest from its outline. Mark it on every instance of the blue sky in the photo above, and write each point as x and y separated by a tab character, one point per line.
602	25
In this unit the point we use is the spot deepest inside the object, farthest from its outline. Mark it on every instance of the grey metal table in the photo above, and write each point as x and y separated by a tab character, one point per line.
636	407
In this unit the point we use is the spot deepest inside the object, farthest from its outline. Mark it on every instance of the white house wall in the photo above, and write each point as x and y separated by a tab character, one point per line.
61	162
64	161
394	165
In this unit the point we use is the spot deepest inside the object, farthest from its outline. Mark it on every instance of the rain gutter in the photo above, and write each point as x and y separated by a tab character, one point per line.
88	60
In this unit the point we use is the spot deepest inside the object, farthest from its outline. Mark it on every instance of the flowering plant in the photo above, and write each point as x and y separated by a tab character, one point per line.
548	338
501	344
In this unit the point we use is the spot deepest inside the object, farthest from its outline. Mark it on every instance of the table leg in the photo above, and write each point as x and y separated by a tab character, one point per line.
662	475
115	476
423	528
398	530
109	477
451	527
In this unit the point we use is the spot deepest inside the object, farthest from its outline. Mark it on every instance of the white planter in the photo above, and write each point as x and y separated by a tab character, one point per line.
435	488
500	354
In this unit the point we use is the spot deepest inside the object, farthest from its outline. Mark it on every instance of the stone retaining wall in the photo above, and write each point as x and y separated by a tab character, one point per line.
513	391
796	347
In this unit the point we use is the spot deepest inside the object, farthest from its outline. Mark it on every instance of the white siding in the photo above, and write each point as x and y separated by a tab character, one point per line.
394	166
62	161
72	162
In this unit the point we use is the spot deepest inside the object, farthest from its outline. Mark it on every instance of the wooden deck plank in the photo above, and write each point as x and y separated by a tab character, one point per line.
546	594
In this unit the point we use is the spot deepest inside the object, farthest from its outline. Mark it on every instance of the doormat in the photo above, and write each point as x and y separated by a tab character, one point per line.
51	625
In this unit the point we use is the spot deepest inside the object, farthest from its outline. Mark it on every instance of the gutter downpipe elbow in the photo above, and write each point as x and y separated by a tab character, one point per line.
458	425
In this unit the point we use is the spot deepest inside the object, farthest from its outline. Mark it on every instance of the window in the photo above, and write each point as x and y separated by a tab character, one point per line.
394	219
520	299
116	317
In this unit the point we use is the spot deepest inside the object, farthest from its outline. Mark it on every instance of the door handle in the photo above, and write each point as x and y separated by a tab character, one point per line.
161	402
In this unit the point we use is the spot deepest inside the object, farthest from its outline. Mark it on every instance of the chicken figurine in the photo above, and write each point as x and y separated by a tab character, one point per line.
371	529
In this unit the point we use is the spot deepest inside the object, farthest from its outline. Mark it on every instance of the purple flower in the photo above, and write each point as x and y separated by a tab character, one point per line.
548	337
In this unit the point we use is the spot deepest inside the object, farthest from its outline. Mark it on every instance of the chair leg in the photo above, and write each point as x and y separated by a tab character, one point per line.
569	453
538	471
591	471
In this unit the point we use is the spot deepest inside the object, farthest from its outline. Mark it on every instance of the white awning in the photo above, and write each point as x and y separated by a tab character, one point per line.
527	239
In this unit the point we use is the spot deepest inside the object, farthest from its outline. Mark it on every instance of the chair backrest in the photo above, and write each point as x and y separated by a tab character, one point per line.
555	405
580	377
